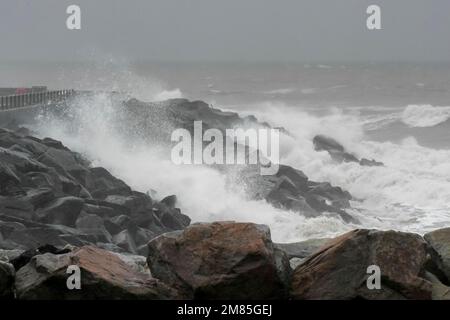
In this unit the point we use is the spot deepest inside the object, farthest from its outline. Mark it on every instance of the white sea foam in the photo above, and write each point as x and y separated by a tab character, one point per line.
411	193
281	91
425	115
203	193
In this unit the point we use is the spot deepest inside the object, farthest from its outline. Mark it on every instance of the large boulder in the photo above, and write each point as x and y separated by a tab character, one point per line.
20	260
104	275
101	183
339	269
222	260
290	189
63	211
439	241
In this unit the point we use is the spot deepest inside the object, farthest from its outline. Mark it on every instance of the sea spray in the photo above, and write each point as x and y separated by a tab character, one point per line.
95	127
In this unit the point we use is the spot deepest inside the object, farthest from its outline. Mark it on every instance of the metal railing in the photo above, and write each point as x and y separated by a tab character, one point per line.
34	98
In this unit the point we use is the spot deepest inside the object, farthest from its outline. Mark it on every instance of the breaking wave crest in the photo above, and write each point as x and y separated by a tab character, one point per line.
425	115
410	193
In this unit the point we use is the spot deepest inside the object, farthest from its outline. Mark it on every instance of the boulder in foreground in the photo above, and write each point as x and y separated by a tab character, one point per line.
439	241
222	260
103	276
339	269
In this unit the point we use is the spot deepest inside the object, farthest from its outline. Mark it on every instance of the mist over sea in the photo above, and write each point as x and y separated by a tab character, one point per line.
395	113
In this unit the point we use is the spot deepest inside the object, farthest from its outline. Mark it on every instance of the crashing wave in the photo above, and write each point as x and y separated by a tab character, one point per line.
425	115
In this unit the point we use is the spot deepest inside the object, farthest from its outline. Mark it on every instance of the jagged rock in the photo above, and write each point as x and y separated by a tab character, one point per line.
285	195
170	201
35	234
339	269
124	240
134	204
143	236
9	182
439	241
123	222
335	196
103	276
89	222
63	211
25	257
49	142
98	210
65	162
136	263
7	274
49	190
172	218
111	227
39	197
101	183
296	177
9	255
93	225
370	163
19	207
290	189
223	260
338	152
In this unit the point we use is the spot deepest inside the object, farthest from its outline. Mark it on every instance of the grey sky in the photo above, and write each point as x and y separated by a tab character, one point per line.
249	30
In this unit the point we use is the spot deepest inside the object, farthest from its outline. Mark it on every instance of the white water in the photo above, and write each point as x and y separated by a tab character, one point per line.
411	193
201	191
425	115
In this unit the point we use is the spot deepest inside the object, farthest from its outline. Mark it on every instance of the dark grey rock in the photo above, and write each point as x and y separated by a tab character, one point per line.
63	211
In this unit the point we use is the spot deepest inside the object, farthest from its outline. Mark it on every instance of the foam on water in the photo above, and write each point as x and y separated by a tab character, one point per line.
411	193
203	193
425	115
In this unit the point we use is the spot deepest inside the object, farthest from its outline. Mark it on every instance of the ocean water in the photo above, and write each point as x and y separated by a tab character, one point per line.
397	113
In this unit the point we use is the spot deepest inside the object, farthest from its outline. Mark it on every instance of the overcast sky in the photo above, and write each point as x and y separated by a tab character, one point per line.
245	30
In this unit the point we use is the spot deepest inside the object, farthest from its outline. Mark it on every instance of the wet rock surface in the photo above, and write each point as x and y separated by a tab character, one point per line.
339	269
51	195
56	210
338	152
220	261
104	276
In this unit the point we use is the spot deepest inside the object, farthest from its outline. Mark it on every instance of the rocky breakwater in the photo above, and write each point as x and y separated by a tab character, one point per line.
238	261
288	189
51	195
228	260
